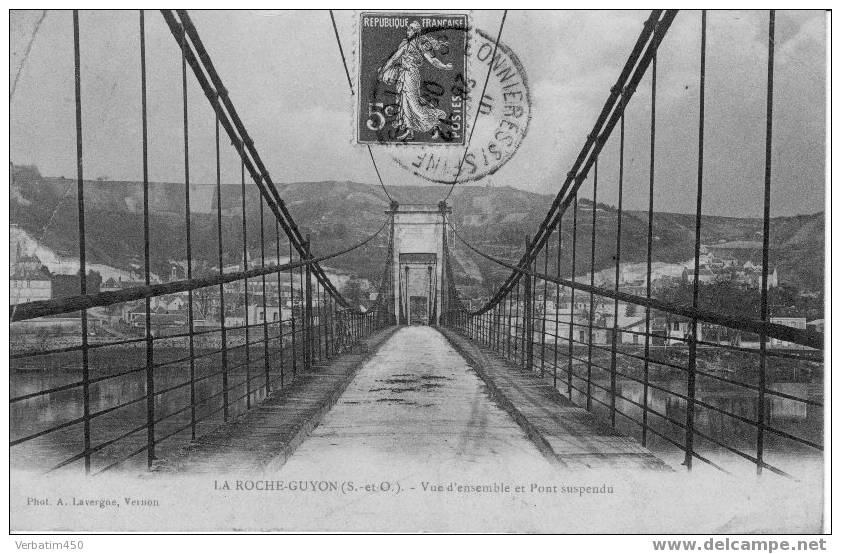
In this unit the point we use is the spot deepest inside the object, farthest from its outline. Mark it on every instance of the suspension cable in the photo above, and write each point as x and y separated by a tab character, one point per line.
41	308
377	170
746	324
218	97
635	67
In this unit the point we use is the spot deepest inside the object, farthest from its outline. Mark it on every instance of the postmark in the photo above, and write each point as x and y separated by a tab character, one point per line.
412	77
501	125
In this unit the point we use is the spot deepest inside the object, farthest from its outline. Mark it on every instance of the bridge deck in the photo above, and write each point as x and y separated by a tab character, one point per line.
415	402
416	407
561	430
269	433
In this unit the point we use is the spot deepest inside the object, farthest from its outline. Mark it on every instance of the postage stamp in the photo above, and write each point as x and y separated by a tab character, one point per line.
412	75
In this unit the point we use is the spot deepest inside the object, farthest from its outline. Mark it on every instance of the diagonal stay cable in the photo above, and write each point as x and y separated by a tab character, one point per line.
478	104
350	85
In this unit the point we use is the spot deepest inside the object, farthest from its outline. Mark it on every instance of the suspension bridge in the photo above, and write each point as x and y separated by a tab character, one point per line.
420	374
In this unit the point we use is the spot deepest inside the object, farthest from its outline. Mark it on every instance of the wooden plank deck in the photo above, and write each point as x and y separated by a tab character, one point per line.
266	436
564	432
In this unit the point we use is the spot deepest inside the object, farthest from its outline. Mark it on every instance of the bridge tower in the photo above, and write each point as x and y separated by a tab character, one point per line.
418	263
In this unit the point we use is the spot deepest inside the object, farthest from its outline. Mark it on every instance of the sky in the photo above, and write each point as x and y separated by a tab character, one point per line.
285	76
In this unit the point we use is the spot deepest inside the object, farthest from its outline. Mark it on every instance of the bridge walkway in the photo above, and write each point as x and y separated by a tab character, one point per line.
417	406
418	398
269	433
563	431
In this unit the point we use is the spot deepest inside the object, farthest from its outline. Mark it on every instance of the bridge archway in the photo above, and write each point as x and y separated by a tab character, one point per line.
417	264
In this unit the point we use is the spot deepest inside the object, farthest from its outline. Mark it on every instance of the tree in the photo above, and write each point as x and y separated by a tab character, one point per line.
353	292
203	297
203	302
630	310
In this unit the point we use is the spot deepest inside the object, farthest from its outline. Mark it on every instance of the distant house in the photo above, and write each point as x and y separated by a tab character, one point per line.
633	333
272	312
110	285
705	275
676	330
169	302
560	328
720	263
29	280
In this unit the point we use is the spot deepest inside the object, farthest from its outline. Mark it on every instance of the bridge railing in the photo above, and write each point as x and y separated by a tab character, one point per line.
639	377
117	377
108	400
679	371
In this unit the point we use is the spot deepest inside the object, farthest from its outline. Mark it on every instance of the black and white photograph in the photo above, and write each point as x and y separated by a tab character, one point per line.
420	271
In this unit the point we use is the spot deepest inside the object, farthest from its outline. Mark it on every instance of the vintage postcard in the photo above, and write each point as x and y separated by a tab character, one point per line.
413	271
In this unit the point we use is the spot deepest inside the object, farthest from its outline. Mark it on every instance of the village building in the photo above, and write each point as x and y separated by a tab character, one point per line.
29	280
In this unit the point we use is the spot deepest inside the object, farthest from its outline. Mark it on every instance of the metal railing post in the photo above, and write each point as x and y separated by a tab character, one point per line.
292	315
650	239
245	281
317	321
693	338
188	234
80	197
279	305
557	306
222	327
150	366
766	231
615	336
508	325
308	308
572	296
266	365
592	283
328	337
528	317
543	314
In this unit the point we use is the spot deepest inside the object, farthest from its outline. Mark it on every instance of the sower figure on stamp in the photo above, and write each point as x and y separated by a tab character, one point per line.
403	69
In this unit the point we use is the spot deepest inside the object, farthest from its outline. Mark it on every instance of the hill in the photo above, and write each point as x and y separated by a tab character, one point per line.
338	214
